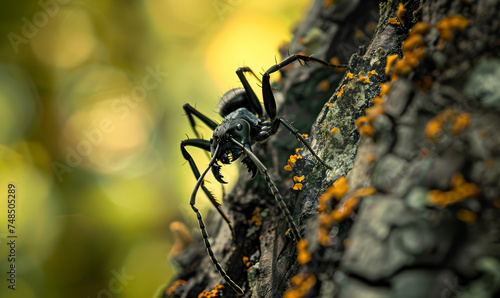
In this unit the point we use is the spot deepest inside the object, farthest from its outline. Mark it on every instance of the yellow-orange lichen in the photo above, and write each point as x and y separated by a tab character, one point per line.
337	190
361	120
291	161
324	227
372	73
393	21
370	157
412	42
401	12
384	89
327	3
460	190
293	158
345	209
298	178
391	59
247	263
245	260
420	28
256	217
365	191
297	186
460	123
401	68
335	61
433	129
214	293
300	285
371	26
296	280
414	51
363	79
458	120
424	84
340	213
364	125
374	111
349	75
324	85
358	33
378	100
340	92
449	24
177	284
346	242
303	255
466	215
333	131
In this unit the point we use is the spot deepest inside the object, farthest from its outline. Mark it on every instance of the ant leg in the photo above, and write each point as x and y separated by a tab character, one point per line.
274	190
205	145
214	260
251	96
267	93
204	233
302	140
273	128
191	111
269	128
270	102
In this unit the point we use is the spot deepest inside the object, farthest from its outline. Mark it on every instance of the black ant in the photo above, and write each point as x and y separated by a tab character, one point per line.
242	126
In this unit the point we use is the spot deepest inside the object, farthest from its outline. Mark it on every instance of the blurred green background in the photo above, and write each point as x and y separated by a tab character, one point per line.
91	118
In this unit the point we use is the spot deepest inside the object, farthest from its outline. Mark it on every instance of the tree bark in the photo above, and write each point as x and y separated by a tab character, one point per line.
427	159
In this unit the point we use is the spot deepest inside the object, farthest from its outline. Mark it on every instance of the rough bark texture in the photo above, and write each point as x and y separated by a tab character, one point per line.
430	228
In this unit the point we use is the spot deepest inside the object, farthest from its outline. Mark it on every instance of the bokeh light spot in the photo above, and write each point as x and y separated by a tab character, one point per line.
241	37
182	18
66	40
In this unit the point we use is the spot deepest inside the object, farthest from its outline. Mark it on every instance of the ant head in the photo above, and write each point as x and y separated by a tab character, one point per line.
237	129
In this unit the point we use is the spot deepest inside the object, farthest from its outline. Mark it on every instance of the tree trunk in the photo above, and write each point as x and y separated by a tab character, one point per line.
420	154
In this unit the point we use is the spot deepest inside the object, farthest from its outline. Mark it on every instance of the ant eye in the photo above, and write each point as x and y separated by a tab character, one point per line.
239	126
211	140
